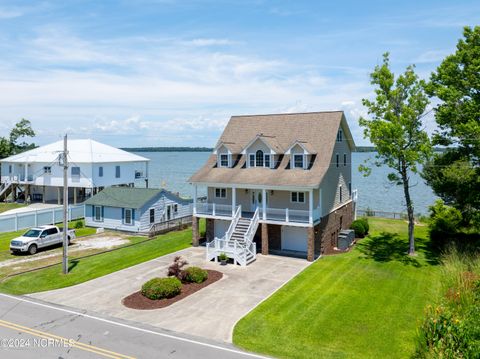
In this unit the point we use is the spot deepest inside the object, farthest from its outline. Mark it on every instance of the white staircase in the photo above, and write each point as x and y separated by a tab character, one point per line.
5	187
237	243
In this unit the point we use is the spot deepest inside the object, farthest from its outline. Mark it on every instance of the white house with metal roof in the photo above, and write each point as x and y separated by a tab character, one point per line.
92	166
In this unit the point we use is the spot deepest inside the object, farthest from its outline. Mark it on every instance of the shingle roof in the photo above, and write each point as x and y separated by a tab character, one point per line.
318	129
79	151
126	197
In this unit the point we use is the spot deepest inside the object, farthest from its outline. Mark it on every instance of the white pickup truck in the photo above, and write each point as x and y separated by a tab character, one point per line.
39	237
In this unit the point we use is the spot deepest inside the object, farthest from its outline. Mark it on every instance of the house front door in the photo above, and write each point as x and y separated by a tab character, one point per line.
256	200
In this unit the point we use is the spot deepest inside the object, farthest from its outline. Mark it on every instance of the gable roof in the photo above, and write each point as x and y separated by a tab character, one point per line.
318	129
270	141
79	151
128	197
305	145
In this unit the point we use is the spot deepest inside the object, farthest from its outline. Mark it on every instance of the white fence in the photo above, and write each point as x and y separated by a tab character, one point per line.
23	220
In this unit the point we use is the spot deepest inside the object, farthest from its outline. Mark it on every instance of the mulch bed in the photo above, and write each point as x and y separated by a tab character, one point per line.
138	301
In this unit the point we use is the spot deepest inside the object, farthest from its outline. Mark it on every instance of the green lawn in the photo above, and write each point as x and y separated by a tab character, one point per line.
363	304
82	270
8	206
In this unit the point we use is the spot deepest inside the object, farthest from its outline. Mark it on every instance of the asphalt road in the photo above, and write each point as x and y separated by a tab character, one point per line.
35	329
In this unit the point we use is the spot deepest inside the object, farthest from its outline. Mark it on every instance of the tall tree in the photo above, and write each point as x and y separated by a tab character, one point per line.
11	145
455	174
395	128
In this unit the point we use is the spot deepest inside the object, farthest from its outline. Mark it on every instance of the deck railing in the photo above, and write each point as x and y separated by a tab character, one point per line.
214	209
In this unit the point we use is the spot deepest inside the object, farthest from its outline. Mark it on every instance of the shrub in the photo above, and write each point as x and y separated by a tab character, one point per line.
79	224
195	275
175	269
444	224
364	221
160	288
359	228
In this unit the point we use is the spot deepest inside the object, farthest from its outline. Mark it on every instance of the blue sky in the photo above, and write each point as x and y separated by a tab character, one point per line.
171	73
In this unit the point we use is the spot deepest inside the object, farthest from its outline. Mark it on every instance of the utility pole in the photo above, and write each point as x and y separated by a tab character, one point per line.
65	206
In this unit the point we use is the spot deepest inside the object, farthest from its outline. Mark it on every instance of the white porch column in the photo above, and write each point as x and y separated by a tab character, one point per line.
195	199
264	204
320	209
234	200
26	173
310	206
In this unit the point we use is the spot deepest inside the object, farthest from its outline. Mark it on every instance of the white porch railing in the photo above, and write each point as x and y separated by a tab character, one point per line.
291	215
233	224
213	209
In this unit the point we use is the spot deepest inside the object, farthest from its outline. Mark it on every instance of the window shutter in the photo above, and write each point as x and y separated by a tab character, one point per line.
123	214
133	215
103	211
93	211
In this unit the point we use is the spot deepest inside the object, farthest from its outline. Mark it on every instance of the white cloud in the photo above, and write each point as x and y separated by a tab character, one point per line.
209	42
432	56
9	13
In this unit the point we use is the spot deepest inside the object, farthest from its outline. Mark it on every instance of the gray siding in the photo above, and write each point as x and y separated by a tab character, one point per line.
112	217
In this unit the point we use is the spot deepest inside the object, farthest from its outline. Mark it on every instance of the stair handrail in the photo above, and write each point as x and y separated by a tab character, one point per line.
233	224
250	233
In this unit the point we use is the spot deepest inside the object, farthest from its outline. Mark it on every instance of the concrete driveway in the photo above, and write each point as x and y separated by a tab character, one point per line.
211	312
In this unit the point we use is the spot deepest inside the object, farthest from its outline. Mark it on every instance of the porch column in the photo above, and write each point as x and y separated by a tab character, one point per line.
195	199
310	206
320	210
264	239
74	195
43	194
234	200
58	195
310	244
264	206
195	231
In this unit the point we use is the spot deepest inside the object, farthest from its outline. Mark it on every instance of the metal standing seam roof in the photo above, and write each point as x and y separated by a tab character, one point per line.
79	151
317	129
128	197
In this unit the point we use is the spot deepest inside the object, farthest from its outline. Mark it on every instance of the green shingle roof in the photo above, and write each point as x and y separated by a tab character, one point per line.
124	197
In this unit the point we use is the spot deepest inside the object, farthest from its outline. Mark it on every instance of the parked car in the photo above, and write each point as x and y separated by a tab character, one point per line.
39	237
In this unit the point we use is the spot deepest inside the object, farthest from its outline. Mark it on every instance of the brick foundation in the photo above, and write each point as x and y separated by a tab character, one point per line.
264	239
310	244
326	233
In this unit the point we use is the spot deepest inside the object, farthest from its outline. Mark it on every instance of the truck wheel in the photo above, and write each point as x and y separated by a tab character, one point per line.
32	249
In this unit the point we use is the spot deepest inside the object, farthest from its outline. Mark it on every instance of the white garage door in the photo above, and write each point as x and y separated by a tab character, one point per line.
294	238
221	227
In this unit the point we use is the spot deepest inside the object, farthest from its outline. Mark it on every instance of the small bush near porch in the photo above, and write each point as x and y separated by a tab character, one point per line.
366	303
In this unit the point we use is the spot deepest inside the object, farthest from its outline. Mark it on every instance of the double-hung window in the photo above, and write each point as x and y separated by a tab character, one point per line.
252	160
75	171
298	161
152	215
128	216
337	160
223	160
344	159
220	193
117	171
98	215
100	171
298	197
47	170
340	136
267	160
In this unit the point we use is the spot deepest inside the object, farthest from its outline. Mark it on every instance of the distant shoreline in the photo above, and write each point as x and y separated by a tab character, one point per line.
167	149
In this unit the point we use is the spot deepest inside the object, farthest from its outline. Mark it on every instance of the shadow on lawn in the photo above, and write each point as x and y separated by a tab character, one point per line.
387	247
72	264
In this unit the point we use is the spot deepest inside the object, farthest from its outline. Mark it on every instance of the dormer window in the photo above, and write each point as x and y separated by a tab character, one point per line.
259	158
224	160
297	161
267	160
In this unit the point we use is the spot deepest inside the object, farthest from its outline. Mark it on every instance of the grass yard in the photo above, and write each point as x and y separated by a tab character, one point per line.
366	303
8	206
82	270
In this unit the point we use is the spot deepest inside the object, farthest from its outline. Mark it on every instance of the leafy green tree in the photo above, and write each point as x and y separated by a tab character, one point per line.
455	174
395	128
11	145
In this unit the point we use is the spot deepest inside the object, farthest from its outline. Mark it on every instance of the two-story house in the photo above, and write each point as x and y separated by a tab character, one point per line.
283	180
38	173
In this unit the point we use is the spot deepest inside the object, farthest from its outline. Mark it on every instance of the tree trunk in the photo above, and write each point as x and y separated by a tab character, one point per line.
411	218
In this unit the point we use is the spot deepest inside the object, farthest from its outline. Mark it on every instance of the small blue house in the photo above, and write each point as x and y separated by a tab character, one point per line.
134	209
